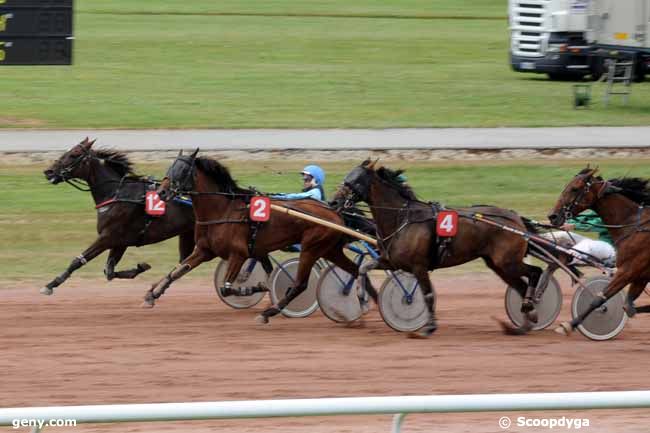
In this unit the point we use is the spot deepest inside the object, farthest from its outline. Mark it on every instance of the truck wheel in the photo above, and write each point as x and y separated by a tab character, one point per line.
597	68
639	70
565	76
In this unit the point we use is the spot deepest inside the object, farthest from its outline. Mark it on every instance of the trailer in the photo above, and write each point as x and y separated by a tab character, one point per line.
618	30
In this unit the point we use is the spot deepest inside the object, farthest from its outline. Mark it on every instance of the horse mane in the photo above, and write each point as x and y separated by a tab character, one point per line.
392	177
220	174
634	188
116	160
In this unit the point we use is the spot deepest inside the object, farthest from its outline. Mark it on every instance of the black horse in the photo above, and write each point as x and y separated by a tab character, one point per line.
406	232
119	197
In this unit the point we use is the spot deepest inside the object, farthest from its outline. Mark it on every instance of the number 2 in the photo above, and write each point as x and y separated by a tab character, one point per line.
260	212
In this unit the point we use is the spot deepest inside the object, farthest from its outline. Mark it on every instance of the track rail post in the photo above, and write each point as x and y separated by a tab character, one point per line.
398	420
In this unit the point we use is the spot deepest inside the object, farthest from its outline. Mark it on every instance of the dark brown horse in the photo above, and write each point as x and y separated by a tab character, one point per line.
406	231
619	202
223	228
121	218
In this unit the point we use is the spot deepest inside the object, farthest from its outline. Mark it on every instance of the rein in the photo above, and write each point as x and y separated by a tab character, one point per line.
533	237
78	184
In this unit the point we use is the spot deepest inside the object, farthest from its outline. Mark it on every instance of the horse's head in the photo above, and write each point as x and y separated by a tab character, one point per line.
179	178
71	165
355	186
581	193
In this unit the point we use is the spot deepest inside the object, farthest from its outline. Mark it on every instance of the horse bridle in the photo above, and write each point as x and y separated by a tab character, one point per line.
355	190
184	185
567	209
65	172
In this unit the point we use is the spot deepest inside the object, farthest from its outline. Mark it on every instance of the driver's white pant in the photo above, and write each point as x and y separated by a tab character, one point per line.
598	249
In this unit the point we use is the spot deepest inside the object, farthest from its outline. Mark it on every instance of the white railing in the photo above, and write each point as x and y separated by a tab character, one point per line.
331	406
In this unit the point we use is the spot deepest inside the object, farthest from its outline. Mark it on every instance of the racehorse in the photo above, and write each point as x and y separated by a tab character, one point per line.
406	232
119	197
619	202
223	228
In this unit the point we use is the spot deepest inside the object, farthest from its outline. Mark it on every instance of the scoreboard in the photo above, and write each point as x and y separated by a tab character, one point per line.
36	32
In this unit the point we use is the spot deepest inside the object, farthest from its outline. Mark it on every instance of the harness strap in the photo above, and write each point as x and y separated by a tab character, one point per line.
106	202
143	232
252	237
212	222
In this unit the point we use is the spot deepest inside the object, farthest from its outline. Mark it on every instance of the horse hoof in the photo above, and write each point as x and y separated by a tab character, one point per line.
262	319
143	267
149	301
425	332
630	310
532	316
47	291
564	329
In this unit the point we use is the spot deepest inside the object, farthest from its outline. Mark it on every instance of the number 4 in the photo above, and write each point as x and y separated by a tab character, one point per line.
447	223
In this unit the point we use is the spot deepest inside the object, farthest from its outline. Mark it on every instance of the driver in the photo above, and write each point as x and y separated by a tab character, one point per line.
587	221
313	178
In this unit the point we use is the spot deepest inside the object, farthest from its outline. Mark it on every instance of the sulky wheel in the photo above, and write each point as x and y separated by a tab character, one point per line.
605	322
338	295
249	276
283	277
547	310
401	303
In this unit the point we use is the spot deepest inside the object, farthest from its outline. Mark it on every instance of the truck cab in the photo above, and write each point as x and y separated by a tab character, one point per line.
548	36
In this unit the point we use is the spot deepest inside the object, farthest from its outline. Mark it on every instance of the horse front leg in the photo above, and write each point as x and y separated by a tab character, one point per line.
158	289
185	245
114	257
95	249
620	280
379	263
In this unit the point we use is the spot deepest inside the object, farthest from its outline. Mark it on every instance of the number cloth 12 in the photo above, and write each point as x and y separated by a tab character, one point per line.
153	205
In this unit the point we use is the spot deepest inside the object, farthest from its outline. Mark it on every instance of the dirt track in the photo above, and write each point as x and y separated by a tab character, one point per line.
91	343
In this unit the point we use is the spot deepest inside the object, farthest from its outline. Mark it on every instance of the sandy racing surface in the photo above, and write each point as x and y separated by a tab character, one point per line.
91	343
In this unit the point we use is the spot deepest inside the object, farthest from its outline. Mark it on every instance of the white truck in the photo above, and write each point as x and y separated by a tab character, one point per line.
548	36
571	38
619	29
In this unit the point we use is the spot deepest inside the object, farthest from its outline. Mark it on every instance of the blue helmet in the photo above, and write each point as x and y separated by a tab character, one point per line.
316	172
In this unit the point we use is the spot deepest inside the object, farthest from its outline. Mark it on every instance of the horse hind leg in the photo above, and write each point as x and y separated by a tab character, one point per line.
159	288
534	274
114	257
307	260
635	290
512	274
421	273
